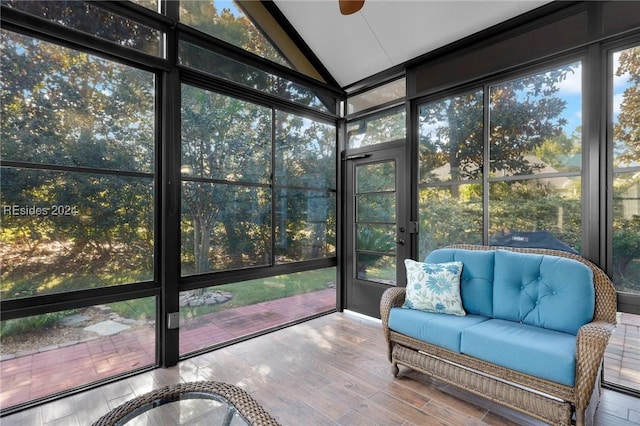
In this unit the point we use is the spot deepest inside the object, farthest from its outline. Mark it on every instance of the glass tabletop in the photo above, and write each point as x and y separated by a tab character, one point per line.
193	409
192	403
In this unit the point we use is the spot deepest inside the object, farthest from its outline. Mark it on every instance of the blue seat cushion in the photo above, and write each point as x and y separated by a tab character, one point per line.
537	351
476	281
436	328
546	291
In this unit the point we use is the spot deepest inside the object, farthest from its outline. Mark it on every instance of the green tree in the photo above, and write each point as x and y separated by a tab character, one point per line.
228	140
627	127
64	108
626	139
526	119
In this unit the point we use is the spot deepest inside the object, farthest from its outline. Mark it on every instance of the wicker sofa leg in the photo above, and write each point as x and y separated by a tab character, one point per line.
580	418
394	369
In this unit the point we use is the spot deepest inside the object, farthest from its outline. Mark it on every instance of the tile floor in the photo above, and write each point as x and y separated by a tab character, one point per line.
45	373
346	382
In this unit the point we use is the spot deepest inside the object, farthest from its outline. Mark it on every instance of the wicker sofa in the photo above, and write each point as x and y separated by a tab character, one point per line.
512	346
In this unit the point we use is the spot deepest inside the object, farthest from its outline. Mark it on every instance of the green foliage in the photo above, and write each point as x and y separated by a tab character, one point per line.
626	154
61	107
266	289
524	114
446	220
626	254
562	152
16	327
627	129
139	309
229	24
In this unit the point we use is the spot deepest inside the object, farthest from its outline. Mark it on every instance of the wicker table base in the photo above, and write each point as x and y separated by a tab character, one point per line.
231	404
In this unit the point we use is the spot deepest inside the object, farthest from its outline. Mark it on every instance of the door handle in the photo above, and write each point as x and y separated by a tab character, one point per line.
400	241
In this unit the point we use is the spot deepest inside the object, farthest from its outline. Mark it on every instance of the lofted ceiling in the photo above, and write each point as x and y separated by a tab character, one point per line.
386	33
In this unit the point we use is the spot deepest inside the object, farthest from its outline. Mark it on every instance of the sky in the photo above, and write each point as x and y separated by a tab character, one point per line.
571	91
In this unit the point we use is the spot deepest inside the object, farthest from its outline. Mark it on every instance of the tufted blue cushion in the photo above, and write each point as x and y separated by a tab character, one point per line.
435	328
476	282
546	291
543	353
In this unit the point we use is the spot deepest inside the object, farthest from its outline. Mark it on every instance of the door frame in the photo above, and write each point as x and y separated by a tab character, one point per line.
363	296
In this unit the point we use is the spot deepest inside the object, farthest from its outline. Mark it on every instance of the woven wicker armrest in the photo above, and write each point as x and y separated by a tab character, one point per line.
391	298
591	343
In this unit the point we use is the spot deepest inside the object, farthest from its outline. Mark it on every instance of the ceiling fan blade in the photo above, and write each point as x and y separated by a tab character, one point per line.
347	7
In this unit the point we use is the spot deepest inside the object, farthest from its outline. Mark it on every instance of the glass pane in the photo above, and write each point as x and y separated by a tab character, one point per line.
224	138
149	4
55	352
64	107
626	232
376	208
214	315
378	177
451	138
208	62
384	127
386	93
378	268
65	231
449	215
305	225
626	94
305	152
91	19
224	227
378	238
621	361
536	123
227	21
626	177
536	213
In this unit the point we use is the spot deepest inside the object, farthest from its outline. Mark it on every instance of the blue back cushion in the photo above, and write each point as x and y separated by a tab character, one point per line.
546	291
476	281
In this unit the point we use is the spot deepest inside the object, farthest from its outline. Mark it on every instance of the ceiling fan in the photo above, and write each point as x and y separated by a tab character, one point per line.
347	7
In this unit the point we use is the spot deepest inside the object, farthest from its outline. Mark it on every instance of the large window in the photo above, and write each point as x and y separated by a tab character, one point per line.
258	191
226	168
227	21
221	66
93	20
247	25
626	170
305	182
534	168
89	128
78	170
214	315
450	171
386	126
238	206
51	353
78	217
535	147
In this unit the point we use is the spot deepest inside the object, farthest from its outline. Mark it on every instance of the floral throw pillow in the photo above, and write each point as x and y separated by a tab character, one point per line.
434	287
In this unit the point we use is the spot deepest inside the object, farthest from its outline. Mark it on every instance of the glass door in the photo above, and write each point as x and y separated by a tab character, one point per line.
378	237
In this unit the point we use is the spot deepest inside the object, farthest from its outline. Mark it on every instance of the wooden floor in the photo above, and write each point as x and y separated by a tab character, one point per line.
329	371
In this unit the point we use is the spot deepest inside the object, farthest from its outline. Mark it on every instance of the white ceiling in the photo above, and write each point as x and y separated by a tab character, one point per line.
385	33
